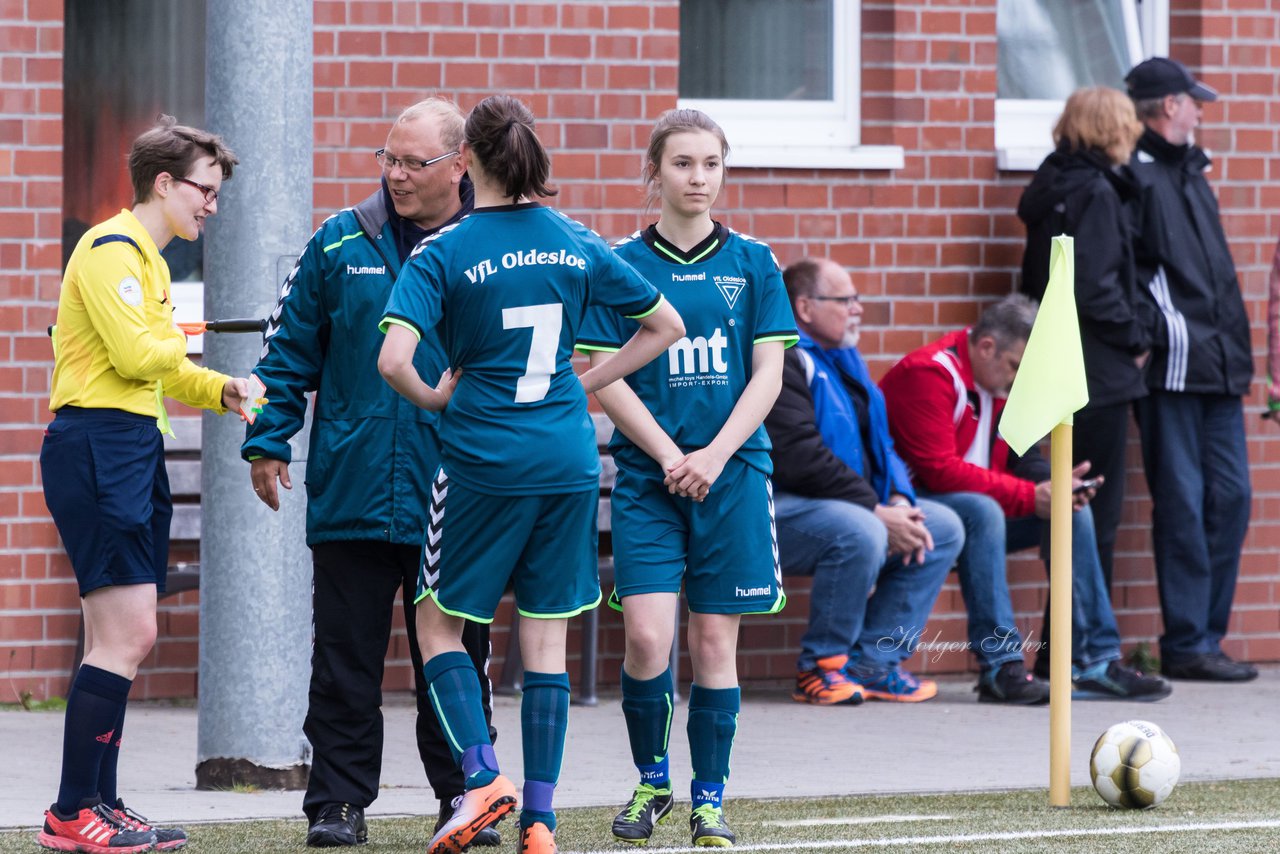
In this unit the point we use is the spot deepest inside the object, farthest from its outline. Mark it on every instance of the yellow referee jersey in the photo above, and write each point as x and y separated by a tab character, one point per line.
116	338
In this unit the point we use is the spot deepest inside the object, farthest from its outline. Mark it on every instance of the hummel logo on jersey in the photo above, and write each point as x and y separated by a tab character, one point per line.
767	590
688	277
730	287
366	271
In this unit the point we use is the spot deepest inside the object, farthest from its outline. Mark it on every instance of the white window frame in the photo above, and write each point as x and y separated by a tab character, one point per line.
807	134
1024	127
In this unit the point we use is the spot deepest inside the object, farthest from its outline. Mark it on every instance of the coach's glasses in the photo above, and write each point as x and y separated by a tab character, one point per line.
845	301
210	194
408	164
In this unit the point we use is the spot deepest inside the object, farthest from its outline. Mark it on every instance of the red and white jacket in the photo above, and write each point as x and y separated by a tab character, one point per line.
944	426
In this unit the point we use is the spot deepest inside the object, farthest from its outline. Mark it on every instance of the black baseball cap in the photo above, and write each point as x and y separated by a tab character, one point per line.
1160	76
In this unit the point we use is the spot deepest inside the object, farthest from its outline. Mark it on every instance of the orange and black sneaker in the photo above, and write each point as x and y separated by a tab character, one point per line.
93	829
537	838
827	684
899	686
481	807
167	838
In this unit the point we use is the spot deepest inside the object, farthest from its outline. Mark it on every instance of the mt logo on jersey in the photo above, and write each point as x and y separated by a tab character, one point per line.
698	361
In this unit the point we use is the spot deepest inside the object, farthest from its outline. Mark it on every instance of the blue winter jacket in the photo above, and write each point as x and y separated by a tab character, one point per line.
818	450
372	453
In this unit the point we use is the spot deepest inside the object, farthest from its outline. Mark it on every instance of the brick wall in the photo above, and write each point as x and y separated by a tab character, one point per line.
38	608
926	244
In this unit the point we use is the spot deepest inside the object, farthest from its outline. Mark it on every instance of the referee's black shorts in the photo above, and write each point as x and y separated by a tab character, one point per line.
106	487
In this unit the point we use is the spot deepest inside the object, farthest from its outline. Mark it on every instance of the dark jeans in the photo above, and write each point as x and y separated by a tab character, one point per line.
989	537
353	591
1194	454
1099	437
844	547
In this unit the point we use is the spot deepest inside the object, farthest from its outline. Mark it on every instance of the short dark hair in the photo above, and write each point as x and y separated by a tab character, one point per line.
500	132
173	148
1008	321
801	278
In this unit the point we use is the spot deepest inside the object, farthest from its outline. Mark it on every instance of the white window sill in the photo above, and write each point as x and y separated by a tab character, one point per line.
1021	158
817	157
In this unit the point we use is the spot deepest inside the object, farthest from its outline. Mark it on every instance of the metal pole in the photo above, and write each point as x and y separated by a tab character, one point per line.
255	604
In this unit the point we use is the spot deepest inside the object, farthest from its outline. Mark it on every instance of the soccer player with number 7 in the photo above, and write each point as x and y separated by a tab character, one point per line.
515	495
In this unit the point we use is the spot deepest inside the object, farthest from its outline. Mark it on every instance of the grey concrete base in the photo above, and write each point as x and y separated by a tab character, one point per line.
220	774
783	750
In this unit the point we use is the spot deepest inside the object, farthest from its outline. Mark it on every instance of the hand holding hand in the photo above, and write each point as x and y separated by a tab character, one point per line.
693	476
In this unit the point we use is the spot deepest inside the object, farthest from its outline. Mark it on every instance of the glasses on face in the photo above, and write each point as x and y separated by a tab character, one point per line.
408	164
844	301
210	194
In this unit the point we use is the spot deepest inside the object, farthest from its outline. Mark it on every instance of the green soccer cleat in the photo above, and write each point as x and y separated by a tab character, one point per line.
648	807
709	828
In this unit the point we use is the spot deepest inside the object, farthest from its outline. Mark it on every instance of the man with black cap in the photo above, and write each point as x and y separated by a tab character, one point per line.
1192	423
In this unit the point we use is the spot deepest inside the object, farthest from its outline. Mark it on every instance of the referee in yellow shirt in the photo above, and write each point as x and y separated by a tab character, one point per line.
102	462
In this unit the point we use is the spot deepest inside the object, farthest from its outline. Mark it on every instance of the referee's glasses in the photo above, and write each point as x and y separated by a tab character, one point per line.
210	194
408	164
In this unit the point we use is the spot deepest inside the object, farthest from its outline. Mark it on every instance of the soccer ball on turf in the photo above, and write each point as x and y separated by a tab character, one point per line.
1134	765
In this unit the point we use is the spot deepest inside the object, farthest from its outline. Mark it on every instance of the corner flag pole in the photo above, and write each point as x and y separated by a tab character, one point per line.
1060	617
1050	386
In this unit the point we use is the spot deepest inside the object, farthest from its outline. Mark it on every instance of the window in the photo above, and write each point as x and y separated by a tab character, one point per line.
781	77
120	71
1049	48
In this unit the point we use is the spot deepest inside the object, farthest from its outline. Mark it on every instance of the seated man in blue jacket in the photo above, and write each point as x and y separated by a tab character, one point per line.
845	510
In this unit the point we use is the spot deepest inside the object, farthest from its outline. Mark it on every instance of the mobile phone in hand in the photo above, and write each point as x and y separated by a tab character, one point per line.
1091	483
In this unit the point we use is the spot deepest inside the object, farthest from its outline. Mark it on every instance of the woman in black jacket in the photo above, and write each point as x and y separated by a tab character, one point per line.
1084	189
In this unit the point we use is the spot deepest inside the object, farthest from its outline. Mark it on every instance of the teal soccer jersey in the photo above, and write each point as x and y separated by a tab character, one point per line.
506	289
730	293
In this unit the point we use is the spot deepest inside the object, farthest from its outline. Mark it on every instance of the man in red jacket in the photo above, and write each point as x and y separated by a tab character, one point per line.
944	402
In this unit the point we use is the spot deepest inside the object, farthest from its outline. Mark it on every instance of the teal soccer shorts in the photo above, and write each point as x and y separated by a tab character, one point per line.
724	549
475	542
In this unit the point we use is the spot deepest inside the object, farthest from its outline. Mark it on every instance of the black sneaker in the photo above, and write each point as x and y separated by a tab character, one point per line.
337	825
167	838
648	807
1211	667
1013	685
709	829
487	838
1111	680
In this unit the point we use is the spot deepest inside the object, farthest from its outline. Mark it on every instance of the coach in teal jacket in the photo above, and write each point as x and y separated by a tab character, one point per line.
371	460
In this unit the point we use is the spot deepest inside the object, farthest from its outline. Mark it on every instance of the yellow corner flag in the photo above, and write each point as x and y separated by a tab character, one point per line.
1050	384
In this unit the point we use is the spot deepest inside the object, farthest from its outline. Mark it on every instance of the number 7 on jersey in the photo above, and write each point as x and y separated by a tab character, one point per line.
545	320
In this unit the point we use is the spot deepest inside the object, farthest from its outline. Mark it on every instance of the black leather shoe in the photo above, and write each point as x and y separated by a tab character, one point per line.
487	838
337	825
1211	667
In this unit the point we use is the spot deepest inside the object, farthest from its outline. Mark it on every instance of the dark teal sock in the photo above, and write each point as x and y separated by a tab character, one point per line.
544	720
454	689
94	706
713	721
646	706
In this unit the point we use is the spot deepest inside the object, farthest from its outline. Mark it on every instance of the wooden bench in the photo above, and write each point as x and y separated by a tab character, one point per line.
182	460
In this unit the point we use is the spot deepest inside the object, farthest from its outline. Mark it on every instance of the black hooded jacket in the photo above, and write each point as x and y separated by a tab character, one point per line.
1078	193
1201	340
